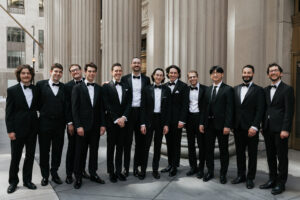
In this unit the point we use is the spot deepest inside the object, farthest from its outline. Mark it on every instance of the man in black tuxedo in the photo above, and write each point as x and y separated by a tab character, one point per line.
194	120
22	125
136	82
249	104
179	110
76	73
277	125
88	118
218	121
52	122
117	103
155	116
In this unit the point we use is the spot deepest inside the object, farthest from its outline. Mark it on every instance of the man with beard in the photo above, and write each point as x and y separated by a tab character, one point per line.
249	109
136	82
277	125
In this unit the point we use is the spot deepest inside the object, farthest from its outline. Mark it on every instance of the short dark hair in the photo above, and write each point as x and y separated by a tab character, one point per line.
19	70
216	68
248	66
173	67
192	71
115	65
74	65
56	65
91	64
158	69
274	65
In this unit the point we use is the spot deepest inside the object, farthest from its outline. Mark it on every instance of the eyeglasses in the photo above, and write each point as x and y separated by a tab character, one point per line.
274	70
74	70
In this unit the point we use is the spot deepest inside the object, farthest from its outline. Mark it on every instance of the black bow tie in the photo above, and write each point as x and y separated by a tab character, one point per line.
245	85
77	82
157	86
55	84
28	86
92	84
171	83
138	77
194	88
118	83
273	86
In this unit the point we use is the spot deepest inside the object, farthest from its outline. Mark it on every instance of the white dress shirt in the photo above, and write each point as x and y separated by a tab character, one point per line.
157	100
136	91
173	86
217	89
91	90
119	90
194	94
273	90
244	91
28	94
53	88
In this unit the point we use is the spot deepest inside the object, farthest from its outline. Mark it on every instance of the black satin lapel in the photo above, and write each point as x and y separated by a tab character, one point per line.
239	94
250	90
22	95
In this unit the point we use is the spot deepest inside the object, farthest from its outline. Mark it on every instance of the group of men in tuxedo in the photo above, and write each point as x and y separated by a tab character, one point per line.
129	105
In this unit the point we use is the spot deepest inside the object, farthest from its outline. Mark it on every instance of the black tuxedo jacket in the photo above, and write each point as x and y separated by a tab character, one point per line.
251	111
19	117
179	102
221	108
89	117
201	101
113	108
53	110
279	113
147	105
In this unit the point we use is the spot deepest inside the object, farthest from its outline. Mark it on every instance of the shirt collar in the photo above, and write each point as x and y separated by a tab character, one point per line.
135	75
218	84
51	82
174	81
76	80
277	84
86	81
197	85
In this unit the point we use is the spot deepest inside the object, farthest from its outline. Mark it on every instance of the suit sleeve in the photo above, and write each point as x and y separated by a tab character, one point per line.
289	110
102	109
185	104
229	108
203	106
76	106
128	102
168	114
10	111
143	107
260	108
68	91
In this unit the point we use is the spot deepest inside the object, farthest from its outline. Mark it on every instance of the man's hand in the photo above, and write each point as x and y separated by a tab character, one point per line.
102	130
165	130
226	131
80	131
121	122
284	134
70	129
12	135
143	130
201	128
180	125
251	132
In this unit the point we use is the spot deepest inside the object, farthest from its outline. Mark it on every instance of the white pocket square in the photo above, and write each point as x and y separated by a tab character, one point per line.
176	92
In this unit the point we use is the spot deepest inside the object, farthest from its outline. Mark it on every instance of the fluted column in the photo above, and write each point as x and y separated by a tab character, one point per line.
85	33
57	35
121	35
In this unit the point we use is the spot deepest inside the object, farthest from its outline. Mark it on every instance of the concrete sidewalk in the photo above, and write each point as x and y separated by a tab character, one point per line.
180	187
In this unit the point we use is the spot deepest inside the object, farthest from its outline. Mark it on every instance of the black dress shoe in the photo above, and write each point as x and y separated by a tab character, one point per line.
30	185
239	179
126	173
173	172
121	177
77	183
278	189
267	185
249	184
223	179
69	179
56	179
44	181
97	179
156	174
113	178
200	174
85	175
167	169
191	172
208	176
136	172
11	188
142	175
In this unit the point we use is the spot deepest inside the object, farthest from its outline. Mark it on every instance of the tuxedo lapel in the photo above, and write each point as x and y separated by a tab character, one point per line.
268	97
239	94
209	93
250	90
96	94
176	87
130	81
115	92
33	96
219	91
277	92
86	91
22	95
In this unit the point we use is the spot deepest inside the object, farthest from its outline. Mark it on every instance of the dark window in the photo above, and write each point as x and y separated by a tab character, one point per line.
15	47
16	6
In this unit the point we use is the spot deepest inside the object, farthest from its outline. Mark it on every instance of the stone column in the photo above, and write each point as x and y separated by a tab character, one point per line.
121	35
85	33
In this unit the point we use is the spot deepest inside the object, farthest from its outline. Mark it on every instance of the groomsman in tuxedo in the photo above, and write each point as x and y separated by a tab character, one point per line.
76	73
88	118
179	110
249	104
218	121
52	123
194	120
136	82
155	117
117	102
277	126
22	126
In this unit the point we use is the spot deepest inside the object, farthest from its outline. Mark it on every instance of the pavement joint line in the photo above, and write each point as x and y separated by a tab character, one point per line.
164	188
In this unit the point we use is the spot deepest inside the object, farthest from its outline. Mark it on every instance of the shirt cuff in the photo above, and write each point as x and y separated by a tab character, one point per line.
116	121
69	123
182	122
254	128
125	118
143	125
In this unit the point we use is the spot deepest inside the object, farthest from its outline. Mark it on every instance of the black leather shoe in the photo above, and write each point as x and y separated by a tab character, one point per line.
239	179
167	169
44	181
30	185
85	175
77	184
121	177
136	172
11	188
191	172
200	174
126	173
173	172
113	178
142	175
268	185
56	179
278	189
223	179
156	174
249	184
208	176
69	179
97	179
